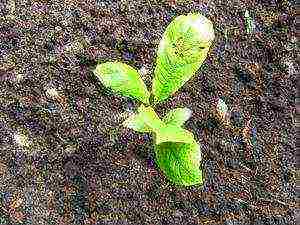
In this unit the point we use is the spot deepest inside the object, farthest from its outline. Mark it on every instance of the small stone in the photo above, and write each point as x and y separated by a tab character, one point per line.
222	110
21	139
232	222
52	93
144	71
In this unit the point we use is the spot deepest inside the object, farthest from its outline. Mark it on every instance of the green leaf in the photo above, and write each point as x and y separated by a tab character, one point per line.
249	22
150	118
171	133
178	155
123	79
180	162
182	50
136	123
177	117
146	120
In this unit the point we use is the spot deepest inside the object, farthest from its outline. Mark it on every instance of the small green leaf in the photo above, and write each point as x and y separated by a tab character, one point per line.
150	118
123	79
146	120
136	123
177	117
249	22
182	50
171	133
180	162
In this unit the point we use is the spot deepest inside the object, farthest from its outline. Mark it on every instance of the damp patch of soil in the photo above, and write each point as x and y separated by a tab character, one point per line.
65	158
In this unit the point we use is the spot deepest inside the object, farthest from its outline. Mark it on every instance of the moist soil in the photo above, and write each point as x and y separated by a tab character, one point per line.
66	159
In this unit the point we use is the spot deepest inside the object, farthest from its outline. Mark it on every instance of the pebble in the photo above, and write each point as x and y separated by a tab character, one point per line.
21	139
232	222
222	109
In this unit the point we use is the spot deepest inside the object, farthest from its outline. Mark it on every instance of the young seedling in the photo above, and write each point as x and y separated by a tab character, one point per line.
182	50
249	22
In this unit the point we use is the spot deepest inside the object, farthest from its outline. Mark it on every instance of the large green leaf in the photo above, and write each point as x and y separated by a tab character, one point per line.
177	117
145	120
123	79
178	155
182	50
180	162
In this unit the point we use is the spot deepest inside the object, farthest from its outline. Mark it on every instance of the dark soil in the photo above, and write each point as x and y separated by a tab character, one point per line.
78	165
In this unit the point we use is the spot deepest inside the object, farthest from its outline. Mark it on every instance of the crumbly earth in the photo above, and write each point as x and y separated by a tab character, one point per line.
65	158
